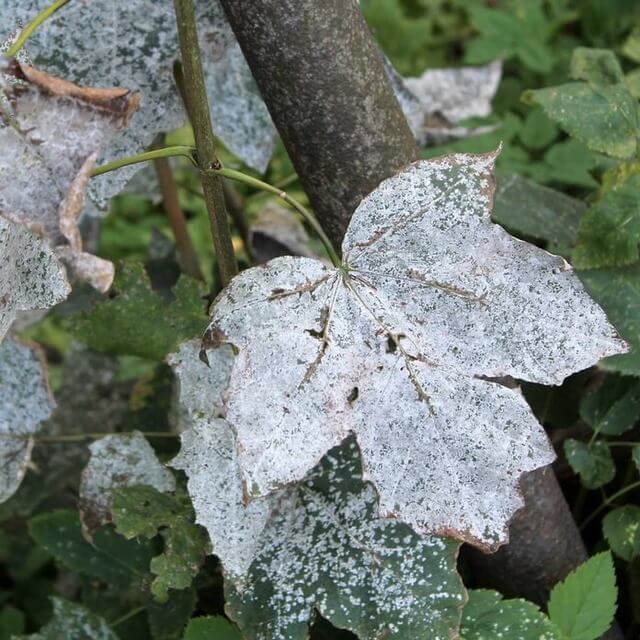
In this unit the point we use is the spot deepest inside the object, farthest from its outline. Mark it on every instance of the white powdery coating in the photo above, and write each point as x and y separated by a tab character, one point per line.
31	277
134	45
434	102
394	347
25	402
119	460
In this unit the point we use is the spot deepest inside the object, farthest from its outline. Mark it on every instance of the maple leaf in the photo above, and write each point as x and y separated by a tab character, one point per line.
320	544
43	177
31	276
138	47
440	98
25	402
400	345
119	460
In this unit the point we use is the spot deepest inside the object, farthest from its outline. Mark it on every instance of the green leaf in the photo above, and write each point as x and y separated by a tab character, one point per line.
73	622
621	528
614	407
593	463
617	291
584	604
520	30
167	621
210	628
609	232
139	321
487	616
531	210
599	110
568	162
142	511
631	46
12	622
538	131
110	558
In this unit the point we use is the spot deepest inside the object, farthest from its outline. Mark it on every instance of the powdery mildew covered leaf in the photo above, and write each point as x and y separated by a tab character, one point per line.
440	98
31	276
134	44
25	402
119	460
43	175
397	346
72	621
320	544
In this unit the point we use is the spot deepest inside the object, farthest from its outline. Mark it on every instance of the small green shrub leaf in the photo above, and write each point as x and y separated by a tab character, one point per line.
592	462
210	628
584	604
621	528
614	407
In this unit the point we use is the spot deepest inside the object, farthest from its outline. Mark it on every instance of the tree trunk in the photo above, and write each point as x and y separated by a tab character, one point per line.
322	77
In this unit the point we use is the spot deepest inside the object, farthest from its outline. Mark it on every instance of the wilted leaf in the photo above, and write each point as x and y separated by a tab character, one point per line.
143	511
325	524
277	232
396	346
25	402
31	276
487	616
138	46
614	407
616	289
119	460
72	622
440	98
598	109
139	321
532	210
208	627
43	176
109	557
592	462
621	528
609	232
583	605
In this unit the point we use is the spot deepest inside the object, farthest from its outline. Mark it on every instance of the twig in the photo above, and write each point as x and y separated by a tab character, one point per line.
197	105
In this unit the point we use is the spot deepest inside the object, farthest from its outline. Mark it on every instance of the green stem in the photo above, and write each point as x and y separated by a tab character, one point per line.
127	616
610	500
197	106
165	152
232	174
80	437
45	14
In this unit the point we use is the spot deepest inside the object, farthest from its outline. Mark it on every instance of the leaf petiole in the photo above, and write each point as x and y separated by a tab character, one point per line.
154	154
44	15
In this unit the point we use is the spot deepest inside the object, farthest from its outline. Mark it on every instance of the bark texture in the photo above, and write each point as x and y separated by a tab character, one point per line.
323	80
322	77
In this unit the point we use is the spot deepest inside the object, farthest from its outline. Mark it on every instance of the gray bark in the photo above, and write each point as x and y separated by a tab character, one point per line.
322	78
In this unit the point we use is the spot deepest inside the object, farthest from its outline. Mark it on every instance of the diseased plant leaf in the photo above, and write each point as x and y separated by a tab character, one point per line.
487	616
614	407
73	622
138	46
109	557
616	289
609	232
582	606
25	402
532	210
43	177
598	109
621	529
318	545
143	511
396	347
592	462
31	276
140	321
119	460
208	627
440	98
